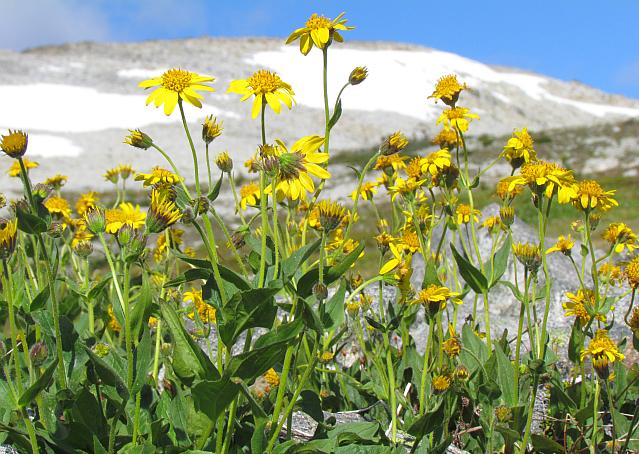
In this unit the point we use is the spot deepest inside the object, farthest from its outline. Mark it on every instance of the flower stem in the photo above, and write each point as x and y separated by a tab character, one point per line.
193	152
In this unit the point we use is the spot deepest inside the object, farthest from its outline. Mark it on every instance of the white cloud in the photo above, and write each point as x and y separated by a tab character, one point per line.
38	22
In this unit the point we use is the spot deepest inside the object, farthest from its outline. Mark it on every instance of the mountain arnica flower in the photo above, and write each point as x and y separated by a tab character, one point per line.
448	89
176	84
14	144
8	237
603	352
319	31
267	88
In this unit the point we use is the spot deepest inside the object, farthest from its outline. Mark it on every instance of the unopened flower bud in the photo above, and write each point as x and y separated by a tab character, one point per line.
41	191
200	205
224	162
187	215
320	291
56	229
83	248
96	220
358	75
138	139
38	353
507	215
211	129
125	235
101	349
503	413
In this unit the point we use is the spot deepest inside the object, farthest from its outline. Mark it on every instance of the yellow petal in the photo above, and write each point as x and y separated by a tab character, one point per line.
389	266
273	102
150	82
170	100
257	106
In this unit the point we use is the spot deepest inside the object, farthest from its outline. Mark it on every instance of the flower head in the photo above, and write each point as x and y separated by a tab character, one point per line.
211	129
319	31
434	298
621	237
632	272
582	305
436	161
331	214
249	195
602	351
457	118
14	144
367	191
519	149
56	182
448	89
158	175
86	202
394	143
8	237
125	214
224	162
176	84
528	255
564	245
58	206
204	311
441	383
138	139
447	138
358	75
162	213
545	178
267	87
123	171
15	170
464	214
590	195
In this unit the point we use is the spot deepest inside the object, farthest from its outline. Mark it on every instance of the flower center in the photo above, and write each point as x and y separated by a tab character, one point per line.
291	165
264	81
176	80
590	188
315	22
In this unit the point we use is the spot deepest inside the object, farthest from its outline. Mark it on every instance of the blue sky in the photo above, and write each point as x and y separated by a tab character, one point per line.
595	42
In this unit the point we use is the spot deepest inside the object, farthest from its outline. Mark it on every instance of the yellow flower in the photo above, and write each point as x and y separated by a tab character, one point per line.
272	377
447	138
545	178
15	170
367	191
602	351
138	139
176	84
158	175
56	181
457	118
452	346
86	202
528	255
492	223
113	324
633	323
464	214
125	214
581	306
632	272
81	235
621	237
14	144
58	205
249	195
170	239
205	312
404	187
590	195
297	166
358	75
436	161
441	383
326	357
224	162
393	144
394	161
319	31
331	214
162	213
434	298
211	129
267	87
123	171
519	149
8	237
394	262
505	192
448	89
609	273
563	245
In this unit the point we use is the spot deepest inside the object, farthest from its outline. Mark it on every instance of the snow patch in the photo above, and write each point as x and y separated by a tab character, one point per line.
140	73
48	146
69	108
400	80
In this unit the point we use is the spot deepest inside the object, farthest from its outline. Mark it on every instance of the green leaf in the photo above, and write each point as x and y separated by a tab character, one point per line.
311	317
143	361
427	423
98	287
142	307
41	383
293	263
337	113
247	309
311	405
108	375
473	343
510	436
190	275
331	274
189	361
334	309
215	191
473	277
544	444
576	342
40	301
430	274
496	266
30	223
505	377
